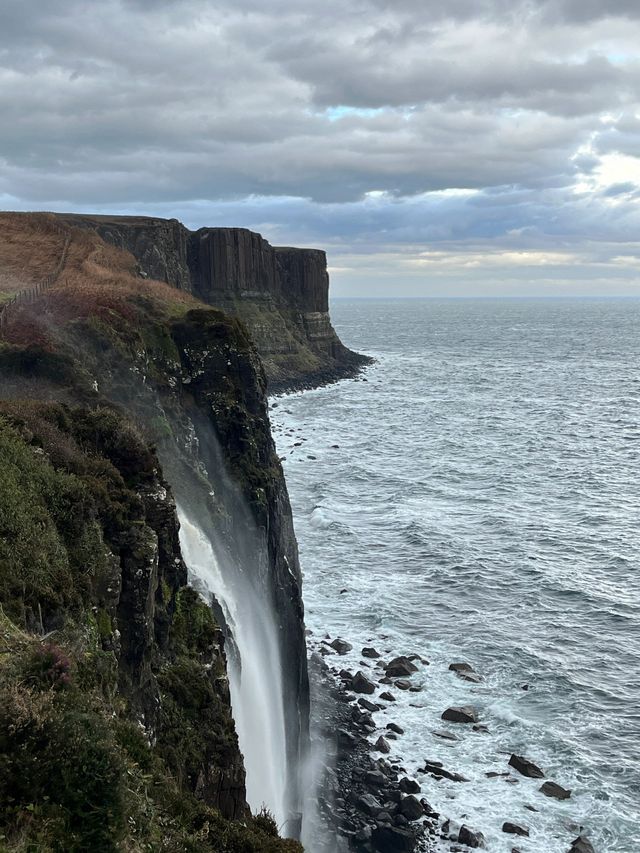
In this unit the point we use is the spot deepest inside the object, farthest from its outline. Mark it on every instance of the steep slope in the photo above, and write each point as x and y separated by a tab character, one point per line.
135	649
282	294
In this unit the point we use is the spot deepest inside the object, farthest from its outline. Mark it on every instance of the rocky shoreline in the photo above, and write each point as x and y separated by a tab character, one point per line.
352	368
367	801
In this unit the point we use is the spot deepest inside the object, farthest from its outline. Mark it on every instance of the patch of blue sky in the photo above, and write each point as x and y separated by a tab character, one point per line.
342	111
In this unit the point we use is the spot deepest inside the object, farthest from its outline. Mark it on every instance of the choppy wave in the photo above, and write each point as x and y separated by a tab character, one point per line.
482	504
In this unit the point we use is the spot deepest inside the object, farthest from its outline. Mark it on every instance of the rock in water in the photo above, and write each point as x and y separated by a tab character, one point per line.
341	646
514	829
382	745
437	770
526	767
361	684
370	652
551	789
460	667
581	845
400	666
473	677
471	838
462	714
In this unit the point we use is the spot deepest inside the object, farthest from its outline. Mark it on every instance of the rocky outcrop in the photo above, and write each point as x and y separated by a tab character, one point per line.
280	293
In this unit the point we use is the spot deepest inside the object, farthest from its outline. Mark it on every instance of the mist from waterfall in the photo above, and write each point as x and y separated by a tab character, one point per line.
254	666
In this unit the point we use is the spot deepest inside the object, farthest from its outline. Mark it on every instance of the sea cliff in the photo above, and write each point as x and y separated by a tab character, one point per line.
122	394
280	293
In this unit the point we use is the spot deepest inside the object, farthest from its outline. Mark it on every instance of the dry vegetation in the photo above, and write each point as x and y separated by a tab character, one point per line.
30	245
97	280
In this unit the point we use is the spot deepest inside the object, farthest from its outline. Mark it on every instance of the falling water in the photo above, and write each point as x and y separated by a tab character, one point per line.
254	667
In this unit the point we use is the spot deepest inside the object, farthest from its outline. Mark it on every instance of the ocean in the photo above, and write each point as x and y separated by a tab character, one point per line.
477	499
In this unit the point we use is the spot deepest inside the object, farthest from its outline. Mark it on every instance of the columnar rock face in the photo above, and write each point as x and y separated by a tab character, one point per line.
280	293
229	263
303	278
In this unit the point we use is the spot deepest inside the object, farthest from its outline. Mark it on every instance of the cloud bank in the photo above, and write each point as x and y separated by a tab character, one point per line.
466	146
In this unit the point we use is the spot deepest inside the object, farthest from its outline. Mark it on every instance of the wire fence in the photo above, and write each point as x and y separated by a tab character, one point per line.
30	294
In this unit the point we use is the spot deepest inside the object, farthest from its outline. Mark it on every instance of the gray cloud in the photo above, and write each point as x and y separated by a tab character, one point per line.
355	120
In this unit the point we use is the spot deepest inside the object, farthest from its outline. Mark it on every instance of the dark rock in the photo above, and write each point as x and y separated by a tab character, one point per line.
445	735
368	804
581	845
345	675
436	769
462	714
470	837
552	789
514	829
411	808
346	739
388	697
395	728
480	727
460	667
381	745
370	652
526	767
375	779
361	684
473	677
409	786
402	684
341	646
493	773
399	667
370	706
393	839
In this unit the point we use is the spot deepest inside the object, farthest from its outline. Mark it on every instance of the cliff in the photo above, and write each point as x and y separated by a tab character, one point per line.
281	294
117	730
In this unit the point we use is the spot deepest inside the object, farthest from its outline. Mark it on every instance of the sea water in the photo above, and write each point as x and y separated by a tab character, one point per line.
477	499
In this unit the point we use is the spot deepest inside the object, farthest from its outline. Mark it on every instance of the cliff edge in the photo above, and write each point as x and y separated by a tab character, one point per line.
119	729
280	293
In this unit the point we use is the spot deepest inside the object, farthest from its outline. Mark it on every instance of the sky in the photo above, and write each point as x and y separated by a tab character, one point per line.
432	147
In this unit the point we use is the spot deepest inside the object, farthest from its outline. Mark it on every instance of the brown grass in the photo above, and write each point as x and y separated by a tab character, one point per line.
97	280
30	245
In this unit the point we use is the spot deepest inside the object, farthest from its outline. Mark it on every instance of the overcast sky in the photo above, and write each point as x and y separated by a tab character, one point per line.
432	147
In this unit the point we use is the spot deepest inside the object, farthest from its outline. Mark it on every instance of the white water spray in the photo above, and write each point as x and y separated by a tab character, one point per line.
254	666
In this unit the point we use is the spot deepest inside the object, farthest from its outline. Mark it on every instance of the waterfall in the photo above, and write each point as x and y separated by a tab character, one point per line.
254	666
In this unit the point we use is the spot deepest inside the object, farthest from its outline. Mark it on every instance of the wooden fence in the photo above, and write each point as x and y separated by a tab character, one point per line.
29	295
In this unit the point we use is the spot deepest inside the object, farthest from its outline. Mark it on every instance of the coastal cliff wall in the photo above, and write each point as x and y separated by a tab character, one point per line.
114	388
280	293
